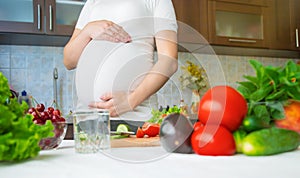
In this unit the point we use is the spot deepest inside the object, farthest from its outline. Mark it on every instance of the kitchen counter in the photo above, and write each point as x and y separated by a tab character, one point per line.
149	162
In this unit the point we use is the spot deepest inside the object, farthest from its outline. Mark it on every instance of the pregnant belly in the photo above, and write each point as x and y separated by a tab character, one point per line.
107	67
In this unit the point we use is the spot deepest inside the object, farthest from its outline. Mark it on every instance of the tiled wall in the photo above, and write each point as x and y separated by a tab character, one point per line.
31	68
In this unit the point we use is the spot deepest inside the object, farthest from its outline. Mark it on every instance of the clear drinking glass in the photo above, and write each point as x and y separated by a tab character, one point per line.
91	131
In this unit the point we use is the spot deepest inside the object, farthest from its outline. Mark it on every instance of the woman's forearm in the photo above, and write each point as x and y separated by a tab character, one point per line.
74	48
163	69
154	80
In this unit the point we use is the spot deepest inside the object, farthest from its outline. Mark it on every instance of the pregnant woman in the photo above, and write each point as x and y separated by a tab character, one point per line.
113	50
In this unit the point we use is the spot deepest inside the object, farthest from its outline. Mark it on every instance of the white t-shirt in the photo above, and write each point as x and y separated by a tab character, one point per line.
106	66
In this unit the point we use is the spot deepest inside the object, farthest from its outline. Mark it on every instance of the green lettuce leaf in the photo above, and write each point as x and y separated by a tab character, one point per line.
19	136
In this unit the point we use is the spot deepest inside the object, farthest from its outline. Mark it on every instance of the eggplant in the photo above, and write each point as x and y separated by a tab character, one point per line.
175	133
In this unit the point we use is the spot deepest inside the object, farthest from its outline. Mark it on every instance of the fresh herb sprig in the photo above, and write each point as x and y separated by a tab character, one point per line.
268	91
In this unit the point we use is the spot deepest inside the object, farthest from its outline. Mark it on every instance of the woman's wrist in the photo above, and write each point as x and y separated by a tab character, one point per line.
86	32
134	99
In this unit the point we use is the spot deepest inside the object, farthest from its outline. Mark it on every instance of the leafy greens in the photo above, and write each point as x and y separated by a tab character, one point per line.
19	136
271	88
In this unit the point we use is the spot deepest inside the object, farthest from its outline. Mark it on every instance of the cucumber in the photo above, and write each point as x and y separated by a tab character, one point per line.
270	141
252	123
239	136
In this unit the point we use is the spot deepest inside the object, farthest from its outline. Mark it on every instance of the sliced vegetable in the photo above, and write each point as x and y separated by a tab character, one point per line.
151	129
122	128
140	133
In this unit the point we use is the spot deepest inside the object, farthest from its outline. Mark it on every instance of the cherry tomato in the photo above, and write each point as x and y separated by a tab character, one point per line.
213	140
222	105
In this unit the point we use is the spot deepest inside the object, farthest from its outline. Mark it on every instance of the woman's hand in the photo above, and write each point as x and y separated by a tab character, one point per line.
107	30
101	29
116	102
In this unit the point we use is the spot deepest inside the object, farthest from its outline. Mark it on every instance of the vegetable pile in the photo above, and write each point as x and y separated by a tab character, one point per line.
270	95
221	111
19	136
261	117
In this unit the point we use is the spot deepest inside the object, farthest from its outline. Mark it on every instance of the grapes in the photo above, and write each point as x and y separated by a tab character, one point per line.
40	116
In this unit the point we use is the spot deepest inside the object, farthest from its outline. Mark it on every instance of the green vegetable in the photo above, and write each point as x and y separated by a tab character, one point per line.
252	123
123	128
158	116
238	136
270	141
19	136
268	91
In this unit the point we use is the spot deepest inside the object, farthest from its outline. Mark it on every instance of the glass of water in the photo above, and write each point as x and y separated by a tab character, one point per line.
91	131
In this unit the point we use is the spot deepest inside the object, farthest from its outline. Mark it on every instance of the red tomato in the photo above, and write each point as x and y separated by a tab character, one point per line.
197	125
213	140
139	133
291	120
222	105
151	129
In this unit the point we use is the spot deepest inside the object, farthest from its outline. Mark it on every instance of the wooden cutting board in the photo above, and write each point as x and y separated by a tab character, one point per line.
132	141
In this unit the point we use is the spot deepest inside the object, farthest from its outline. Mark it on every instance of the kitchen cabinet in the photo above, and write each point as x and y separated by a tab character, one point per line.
192	19
239	23
46	17
286	23
61	16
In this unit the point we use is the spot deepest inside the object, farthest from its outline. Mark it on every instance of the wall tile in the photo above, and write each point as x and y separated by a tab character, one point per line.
18	79
18	61
5	49
31	68
4	61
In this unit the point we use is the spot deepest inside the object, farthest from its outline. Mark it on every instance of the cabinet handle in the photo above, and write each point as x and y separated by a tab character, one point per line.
50	18
38	16
297	38
241	41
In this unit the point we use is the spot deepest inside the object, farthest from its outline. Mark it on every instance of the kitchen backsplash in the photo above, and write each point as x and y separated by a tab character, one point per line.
31	68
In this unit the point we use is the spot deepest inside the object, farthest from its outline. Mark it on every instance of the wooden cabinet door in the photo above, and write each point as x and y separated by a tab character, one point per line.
235	24
285	25
295	20
248	2
282	24
192	20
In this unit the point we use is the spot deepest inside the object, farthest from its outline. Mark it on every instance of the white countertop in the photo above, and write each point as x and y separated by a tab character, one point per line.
149	162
